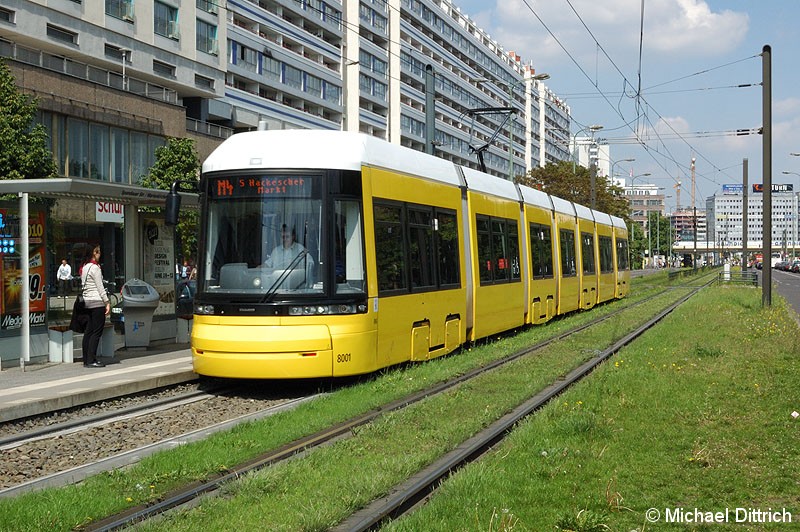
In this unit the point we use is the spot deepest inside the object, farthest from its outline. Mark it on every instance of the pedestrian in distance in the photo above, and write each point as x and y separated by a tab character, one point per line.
64	276
97	306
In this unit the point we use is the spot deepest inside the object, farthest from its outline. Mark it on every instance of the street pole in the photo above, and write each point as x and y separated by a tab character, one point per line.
511	133
745	231
766	147
649	240
593	177
694	222
658	234
430	109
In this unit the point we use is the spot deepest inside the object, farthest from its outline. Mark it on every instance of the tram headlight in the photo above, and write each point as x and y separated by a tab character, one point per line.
321	310
204	309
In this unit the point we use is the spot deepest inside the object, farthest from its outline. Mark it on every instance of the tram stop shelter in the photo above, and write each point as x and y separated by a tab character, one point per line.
85	212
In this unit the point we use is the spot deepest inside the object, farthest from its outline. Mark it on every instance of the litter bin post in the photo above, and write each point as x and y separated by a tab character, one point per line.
139	302
106	347
60	344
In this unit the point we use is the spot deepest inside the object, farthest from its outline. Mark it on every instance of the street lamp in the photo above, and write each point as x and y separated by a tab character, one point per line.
125	54
593	128
615	163
592	160
536	77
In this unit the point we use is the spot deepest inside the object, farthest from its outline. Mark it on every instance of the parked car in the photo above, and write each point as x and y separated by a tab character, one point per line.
184	305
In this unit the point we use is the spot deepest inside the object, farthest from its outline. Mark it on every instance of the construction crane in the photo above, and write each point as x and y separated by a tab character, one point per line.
677	188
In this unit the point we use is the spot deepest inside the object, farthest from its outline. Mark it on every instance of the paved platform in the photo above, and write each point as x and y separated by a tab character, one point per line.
41	388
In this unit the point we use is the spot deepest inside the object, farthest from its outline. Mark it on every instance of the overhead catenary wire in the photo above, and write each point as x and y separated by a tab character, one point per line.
642	105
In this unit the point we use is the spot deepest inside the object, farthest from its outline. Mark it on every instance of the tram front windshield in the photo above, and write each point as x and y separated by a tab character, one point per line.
266	237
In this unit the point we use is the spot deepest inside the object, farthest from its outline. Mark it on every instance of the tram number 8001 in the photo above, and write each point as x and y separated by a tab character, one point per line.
343	357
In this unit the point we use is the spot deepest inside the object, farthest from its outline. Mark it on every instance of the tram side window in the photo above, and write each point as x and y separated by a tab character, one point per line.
484	250
606	255
622	255
416	248
348	247
420	248
541	252
587	252
498	250
447	243
567	238
389	243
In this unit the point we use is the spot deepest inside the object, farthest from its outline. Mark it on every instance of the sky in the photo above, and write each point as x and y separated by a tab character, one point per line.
669	80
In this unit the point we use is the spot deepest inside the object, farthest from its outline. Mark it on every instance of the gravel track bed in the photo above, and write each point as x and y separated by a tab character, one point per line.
12	428
45	457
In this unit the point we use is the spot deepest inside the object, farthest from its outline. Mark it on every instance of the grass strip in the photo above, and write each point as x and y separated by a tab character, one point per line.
695	415
318	491
65	508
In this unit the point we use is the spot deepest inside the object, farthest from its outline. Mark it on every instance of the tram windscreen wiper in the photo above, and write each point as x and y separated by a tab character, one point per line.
285	275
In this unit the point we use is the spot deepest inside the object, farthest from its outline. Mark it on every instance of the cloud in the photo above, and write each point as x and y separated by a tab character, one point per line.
786	106
672	29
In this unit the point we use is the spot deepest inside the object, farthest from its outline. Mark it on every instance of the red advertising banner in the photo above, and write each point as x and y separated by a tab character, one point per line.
11	271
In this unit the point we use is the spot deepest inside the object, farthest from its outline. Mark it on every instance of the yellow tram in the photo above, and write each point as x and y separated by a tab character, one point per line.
326	253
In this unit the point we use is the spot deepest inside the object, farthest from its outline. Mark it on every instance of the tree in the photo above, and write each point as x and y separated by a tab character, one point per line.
177	161
637	241
24	147
573	183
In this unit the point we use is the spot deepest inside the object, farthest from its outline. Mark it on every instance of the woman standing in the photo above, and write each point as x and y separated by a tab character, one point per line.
97	305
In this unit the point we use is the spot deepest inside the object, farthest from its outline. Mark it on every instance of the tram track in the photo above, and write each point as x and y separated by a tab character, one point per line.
410	494
64	453
186	496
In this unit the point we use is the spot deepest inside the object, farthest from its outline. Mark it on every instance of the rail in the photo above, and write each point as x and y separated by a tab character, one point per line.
686	272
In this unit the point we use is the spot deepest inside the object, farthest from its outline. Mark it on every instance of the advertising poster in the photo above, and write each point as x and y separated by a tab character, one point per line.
159	263
11	272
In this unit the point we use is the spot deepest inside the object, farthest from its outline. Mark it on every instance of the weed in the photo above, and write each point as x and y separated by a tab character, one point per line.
583	521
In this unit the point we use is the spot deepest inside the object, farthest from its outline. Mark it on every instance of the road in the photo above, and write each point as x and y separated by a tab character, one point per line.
787	284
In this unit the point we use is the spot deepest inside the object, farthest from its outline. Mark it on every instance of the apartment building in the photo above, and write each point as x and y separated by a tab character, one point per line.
115	78
725	217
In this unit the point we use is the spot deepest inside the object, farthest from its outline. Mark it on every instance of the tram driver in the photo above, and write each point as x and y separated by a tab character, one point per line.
285	252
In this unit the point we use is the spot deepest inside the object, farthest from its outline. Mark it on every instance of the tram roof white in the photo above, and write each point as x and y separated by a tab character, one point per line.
563	206
488	184
321	149
534	197
583	212
601	217
616	221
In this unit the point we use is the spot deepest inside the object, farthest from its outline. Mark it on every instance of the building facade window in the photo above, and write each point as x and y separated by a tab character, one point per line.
93	150
61	34
165	20
209	6
122	9
207	37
